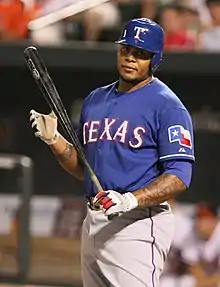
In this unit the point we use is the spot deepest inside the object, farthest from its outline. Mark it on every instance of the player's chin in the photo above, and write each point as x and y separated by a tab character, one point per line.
128	77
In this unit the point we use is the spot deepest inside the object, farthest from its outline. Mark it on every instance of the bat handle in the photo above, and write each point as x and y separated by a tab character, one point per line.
96	182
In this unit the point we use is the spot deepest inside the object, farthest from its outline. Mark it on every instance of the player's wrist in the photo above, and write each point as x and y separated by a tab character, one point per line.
133	202
53	140
140	196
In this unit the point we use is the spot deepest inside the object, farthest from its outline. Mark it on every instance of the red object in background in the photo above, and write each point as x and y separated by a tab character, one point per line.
182	40
14	19
206	210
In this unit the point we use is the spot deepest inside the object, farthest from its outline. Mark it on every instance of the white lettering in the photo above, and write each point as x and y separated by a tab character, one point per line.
138	137
84	132
125	32
121	132
107	129
93	131
139	31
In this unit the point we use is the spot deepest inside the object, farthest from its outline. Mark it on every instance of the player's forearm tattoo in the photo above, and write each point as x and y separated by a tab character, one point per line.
66	154
163	188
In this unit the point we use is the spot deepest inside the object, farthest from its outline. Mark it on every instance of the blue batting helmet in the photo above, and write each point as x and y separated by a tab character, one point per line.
145	34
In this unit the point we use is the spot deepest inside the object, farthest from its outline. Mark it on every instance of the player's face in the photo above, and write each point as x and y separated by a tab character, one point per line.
214	9
133	64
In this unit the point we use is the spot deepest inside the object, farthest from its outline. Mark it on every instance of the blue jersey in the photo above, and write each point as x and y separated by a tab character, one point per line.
126	136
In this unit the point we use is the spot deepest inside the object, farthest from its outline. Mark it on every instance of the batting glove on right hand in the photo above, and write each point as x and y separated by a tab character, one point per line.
112	202
46	126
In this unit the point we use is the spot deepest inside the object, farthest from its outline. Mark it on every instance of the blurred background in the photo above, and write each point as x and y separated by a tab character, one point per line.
41	206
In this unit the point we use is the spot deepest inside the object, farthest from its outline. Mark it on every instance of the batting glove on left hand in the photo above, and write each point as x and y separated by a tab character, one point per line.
45	126
111	202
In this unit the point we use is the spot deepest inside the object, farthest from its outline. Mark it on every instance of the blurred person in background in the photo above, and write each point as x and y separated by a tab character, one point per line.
177	35
138	8
149	8
103	17
14	19
202	10
192	21
53	33
210	39
201	251
174	269
102	23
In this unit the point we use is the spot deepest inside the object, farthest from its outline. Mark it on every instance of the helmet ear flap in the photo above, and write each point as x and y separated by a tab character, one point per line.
155	62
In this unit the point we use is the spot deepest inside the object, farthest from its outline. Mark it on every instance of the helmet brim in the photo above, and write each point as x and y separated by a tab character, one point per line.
134	43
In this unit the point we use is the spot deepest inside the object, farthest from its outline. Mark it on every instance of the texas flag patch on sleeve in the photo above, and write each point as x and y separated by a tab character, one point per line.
178	134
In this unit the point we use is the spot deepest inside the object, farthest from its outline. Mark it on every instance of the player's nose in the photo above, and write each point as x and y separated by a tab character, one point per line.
130	58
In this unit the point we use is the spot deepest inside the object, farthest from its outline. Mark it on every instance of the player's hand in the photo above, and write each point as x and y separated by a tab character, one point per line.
111	202
45	126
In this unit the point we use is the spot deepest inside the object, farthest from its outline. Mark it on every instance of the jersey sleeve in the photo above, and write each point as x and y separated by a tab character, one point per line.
180	168
175	135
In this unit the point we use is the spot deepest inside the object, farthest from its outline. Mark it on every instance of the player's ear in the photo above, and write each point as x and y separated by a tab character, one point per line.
150	72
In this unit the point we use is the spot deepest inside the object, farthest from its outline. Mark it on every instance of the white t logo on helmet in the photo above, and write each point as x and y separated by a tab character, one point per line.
139	31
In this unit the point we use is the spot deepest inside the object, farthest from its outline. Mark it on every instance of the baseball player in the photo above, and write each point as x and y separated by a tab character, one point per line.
138	138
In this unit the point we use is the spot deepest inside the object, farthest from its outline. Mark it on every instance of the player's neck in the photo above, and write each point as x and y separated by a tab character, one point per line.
124	87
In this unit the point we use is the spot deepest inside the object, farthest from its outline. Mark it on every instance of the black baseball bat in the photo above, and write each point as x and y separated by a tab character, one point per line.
46	85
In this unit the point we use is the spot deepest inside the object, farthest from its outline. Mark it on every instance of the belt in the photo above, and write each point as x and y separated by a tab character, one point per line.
152	209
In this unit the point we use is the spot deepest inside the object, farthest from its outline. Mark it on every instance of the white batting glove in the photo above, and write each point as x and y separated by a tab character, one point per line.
111	201
46	126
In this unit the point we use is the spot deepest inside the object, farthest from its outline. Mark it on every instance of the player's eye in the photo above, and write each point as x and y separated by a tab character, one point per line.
124	50
141	54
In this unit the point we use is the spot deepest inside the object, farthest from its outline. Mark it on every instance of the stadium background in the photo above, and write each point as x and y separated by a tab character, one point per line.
41	207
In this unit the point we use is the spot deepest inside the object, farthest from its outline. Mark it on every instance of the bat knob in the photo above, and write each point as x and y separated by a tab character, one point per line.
30	48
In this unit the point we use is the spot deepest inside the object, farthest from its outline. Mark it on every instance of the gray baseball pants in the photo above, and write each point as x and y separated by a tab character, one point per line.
128	251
